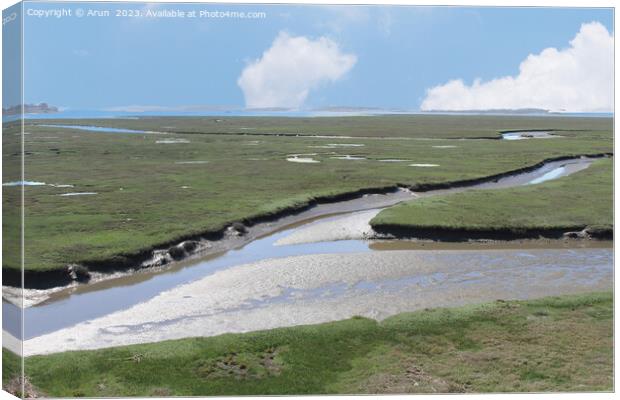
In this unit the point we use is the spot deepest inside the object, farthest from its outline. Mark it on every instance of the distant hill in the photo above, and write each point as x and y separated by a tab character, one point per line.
42	108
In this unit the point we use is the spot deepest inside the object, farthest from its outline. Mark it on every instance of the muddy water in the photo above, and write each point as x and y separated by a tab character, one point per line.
74	317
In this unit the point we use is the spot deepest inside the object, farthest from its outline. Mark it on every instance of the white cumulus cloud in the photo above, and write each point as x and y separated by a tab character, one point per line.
577	79
293	66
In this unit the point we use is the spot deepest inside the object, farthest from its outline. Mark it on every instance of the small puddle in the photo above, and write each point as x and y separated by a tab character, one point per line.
78	194
336	145
34	183
522	135
302	158
348	157
172	141
326	136
24	183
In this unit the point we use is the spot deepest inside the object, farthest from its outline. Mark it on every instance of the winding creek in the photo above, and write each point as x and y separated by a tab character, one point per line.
312	267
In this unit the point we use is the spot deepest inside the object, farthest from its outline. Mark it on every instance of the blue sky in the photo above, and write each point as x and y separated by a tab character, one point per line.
398	53
11	57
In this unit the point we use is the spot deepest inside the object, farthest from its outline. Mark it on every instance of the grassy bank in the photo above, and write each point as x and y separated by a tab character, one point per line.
572	202
150	193
551	344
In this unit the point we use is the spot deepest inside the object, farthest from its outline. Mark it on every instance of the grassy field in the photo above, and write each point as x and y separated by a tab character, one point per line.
404	126
11	197
147	193
572	202
552	344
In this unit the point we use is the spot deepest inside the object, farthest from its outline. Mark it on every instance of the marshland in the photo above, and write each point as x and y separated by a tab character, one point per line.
407	241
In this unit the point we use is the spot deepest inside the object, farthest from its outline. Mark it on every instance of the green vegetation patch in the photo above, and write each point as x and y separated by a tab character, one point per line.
404	126
551	344
153	189
579	200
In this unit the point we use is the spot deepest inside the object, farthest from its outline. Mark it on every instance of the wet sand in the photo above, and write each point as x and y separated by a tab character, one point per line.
11	343
349	227
311	289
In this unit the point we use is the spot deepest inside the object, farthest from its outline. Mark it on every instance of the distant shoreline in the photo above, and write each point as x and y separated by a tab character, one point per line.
92	114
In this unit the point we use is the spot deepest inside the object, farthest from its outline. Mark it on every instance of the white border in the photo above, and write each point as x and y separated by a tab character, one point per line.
474	3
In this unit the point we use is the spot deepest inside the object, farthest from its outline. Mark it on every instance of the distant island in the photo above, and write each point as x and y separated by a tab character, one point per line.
42	108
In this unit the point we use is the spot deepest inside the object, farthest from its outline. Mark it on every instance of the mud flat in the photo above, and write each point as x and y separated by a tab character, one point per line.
355	226
11	343
311	289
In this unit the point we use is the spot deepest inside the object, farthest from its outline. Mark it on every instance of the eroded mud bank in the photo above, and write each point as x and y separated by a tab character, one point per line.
241	232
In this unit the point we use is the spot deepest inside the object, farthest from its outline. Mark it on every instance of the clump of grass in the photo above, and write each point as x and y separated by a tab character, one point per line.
241	366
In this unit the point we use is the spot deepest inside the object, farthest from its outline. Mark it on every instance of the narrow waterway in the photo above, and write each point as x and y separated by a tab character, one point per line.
314	267
92	128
